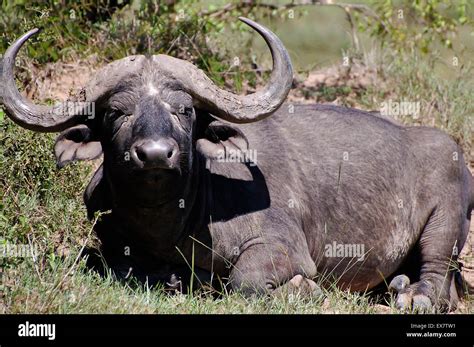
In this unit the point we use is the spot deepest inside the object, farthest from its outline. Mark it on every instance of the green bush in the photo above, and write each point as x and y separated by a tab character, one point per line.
80	28
408	26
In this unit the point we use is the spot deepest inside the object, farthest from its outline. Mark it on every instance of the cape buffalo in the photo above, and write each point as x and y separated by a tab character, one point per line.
269	204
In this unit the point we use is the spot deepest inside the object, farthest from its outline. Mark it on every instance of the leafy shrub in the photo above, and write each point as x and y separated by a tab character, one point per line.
409	26
114	30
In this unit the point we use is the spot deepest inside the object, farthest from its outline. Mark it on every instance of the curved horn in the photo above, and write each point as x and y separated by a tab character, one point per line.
228	106
22	111
63	115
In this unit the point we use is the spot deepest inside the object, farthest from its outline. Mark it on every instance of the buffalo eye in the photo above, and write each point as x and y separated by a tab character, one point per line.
116	119
114	115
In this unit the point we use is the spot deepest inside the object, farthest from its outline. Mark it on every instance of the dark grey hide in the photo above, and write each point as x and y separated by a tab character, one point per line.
323	175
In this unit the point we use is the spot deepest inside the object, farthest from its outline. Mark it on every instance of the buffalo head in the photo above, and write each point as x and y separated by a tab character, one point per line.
148	115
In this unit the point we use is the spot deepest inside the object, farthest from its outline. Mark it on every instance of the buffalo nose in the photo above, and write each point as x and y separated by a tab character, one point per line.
161	153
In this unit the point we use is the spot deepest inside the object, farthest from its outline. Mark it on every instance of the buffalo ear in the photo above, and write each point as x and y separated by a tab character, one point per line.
76	143
220	137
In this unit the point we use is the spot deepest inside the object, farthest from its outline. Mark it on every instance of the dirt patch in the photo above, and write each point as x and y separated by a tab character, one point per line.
333	83
60	80
56	81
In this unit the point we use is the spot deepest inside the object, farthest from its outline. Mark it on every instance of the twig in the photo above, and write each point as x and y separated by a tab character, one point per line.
355	39
361	8
35	260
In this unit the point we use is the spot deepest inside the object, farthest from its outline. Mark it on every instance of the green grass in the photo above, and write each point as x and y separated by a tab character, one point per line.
444	103
65	287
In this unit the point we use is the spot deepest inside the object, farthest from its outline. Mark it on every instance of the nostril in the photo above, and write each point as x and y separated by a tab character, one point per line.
156	153
141	155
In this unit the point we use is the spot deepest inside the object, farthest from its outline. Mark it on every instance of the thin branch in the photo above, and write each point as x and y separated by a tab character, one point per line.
361	8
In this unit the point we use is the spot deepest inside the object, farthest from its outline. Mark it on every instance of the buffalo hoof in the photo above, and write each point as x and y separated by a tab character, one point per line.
407	300
415	303
300	285
399	283
422	303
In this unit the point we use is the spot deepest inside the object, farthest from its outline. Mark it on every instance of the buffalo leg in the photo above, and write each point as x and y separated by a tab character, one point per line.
269	269
441	237
299	285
